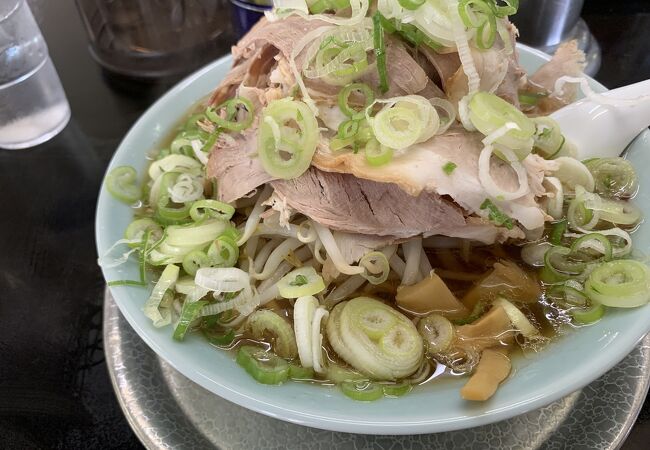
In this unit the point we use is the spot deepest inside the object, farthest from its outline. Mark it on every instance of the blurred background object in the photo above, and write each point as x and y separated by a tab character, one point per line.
545	24
156	38
246	13
33	105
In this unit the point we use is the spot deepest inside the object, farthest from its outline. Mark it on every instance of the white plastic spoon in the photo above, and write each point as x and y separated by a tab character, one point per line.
602	130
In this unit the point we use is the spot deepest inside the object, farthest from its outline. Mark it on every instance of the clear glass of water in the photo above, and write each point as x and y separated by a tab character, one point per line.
33	105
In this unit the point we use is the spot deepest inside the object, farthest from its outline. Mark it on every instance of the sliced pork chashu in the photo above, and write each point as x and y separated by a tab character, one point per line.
417	170
346	203
420	169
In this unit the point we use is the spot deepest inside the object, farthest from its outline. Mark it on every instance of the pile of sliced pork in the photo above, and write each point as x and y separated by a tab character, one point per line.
411	196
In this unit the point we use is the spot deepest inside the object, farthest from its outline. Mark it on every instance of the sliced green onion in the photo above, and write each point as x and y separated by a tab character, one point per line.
169	214
377	154
231	107
365	134
337	144
557	232
410	33
161	317
300	282
265	367
398	126
376	267
467	15
579	216
620	284
340	4
558	266
220	340
449	167
486	34
397	389
573	173
548	137
166	211
195	234
194	260
411	5
375	339
286	152
588	315
139	227
380	52
488	113
182	143
603	245
341	55
486	29
121	184
185	285
531	99
344	99
567	294
189	313
510	8
533	253
192	123
363	390
405	121
320	6
202	209
174	163
210	141
517	318
618	212
495	215
232	232
142	263
348	129
223	252
614	177
338	374
300	373
437	332
263	322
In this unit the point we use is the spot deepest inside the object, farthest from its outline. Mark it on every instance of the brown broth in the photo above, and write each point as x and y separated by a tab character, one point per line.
451	264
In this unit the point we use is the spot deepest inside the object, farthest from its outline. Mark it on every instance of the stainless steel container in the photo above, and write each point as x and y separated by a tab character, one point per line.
545	23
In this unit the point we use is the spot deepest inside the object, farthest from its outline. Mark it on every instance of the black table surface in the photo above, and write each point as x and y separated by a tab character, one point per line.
54	387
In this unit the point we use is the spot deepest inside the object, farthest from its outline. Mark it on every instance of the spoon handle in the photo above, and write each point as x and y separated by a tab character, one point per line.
604	130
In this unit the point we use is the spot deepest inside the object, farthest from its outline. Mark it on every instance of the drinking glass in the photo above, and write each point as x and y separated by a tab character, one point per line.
33	105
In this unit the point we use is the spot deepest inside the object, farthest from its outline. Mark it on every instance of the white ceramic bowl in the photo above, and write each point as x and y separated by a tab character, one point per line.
567	365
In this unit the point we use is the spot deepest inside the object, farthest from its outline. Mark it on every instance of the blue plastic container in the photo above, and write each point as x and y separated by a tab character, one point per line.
246	14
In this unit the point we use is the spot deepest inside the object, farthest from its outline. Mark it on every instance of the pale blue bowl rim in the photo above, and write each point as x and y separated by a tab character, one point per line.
570	364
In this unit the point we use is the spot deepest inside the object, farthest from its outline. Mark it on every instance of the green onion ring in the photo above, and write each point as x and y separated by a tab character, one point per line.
211	208
121	184
231	110
620	283
344	98
348	128
600	238
363	390
588	314
411	5
189	313
378	154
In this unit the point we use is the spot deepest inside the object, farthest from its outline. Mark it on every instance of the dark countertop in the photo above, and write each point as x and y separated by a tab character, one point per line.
54	386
